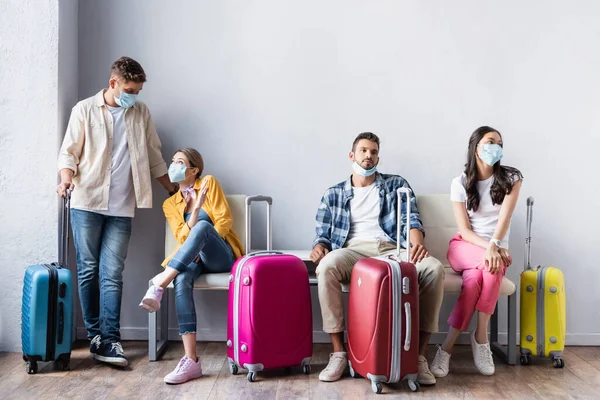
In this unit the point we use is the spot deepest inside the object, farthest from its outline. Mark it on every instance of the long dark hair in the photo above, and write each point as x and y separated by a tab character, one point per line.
504	177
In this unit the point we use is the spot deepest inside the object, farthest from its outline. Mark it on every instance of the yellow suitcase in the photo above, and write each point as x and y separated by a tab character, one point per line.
543	308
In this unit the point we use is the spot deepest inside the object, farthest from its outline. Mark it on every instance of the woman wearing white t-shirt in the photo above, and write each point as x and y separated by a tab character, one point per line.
483	198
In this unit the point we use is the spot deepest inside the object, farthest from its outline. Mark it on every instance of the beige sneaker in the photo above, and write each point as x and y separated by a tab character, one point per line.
425	376
335	369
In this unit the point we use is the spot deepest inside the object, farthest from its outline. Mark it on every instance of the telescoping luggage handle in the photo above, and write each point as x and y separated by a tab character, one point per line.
407	311
63	244
399	193
530	201
269	201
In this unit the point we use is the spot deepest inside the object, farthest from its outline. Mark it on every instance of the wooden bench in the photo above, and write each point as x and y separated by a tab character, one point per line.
438	221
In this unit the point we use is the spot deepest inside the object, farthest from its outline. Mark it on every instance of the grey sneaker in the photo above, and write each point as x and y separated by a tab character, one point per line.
335	369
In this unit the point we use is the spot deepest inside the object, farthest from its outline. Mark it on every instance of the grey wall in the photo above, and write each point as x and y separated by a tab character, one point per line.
273	93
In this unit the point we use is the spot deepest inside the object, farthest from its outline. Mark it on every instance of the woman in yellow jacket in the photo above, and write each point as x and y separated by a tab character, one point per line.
199	217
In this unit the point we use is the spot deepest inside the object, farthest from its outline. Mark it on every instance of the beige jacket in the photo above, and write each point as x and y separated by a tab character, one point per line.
87	151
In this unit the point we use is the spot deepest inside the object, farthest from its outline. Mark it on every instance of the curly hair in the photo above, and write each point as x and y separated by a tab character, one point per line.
128	69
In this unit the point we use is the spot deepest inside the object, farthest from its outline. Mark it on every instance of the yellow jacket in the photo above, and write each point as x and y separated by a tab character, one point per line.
215	206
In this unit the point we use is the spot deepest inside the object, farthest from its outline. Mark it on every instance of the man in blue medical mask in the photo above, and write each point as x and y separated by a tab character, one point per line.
357	219
109	155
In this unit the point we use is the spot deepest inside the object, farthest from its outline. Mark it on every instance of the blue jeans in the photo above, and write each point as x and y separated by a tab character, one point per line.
204	251
101	243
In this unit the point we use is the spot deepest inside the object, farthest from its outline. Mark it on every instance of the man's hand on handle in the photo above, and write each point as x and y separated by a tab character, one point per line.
66	176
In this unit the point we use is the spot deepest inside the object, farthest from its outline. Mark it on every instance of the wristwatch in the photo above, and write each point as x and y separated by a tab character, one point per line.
496	242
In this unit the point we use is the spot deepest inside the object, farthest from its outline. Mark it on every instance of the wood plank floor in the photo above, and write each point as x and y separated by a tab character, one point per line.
88	379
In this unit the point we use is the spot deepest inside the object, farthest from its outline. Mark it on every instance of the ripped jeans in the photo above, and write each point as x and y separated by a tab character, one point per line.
204	251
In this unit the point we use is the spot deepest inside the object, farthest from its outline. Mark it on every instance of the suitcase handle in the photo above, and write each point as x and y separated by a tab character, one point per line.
530	201
408	326
63	243
255	253
249	201
399	192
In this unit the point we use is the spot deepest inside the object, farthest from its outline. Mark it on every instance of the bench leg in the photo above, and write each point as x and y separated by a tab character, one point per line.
156	345
509	355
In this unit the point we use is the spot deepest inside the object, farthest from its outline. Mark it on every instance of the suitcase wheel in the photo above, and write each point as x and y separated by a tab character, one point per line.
525	359
251	376
31	367
414	386
377	387
353	373
233	369
558	363
306	369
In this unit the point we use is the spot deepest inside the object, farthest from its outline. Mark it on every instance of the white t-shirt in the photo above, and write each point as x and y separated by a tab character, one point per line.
121	198
484	220
364	215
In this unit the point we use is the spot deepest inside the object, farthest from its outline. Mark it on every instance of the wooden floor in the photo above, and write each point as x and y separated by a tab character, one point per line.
88	379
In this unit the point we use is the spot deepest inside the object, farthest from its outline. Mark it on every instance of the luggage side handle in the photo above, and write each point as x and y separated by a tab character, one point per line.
408	326
399	192
249	201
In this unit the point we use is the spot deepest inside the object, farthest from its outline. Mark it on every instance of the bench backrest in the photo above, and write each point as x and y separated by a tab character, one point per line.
237	206
435	209
439	223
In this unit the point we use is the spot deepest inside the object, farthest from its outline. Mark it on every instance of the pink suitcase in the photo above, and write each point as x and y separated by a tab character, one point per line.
270	316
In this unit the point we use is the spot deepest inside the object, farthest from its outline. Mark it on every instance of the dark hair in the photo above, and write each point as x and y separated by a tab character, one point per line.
365	135
504	177
128	69
195	159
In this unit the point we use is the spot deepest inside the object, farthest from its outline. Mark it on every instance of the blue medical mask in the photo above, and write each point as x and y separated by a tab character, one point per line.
126	100
361	171
177	172
490	153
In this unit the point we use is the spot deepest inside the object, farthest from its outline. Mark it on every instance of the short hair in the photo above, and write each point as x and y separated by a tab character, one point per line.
365	135
128	69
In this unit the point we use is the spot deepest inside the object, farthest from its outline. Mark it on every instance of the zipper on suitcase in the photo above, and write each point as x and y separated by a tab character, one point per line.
540	312
52	299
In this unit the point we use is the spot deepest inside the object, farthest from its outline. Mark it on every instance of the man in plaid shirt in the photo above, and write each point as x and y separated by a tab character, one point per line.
357	219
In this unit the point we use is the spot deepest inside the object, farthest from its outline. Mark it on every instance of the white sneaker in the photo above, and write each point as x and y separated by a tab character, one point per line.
151	301
425	377
441	363
335	369
482	355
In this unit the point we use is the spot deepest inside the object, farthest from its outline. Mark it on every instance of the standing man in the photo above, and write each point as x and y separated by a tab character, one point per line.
109	154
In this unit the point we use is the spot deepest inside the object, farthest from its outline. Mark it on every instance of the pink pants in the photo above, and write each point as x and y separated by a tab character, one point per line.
480	289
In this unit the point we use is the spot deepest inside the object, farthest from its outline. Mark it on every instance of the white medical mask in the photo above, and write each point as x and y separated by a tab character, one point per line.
490	153
361	171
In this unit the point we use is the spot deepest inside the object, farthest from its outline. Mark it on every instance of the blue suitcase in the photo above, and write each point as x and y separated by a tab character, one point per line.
47	308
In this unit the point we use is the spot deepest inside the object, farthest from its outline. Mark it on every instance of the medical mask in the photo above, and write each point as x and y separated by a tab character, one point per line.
361	171
126	100
490	153
177	172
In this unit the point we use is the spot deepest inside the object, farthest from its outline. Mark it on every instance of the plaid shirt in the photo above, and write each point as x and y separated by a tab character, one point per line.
333	215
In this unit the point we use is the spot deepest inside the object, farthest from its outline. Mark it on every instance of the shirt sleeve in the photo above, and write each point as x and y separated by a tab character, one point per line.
157	164
457	191
72	145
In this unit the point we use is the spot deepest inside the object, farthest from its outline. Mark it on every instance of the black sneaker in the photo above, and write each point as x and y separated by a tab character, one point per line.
111	353
95	344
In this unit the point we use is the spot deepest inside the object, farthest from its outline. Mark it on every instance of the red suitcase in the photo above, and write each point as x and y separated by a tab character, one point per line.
383	318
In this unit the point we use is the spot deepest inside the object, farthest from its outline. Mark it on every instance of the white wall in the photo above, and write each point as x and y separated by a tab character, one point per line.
28	137
273	93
